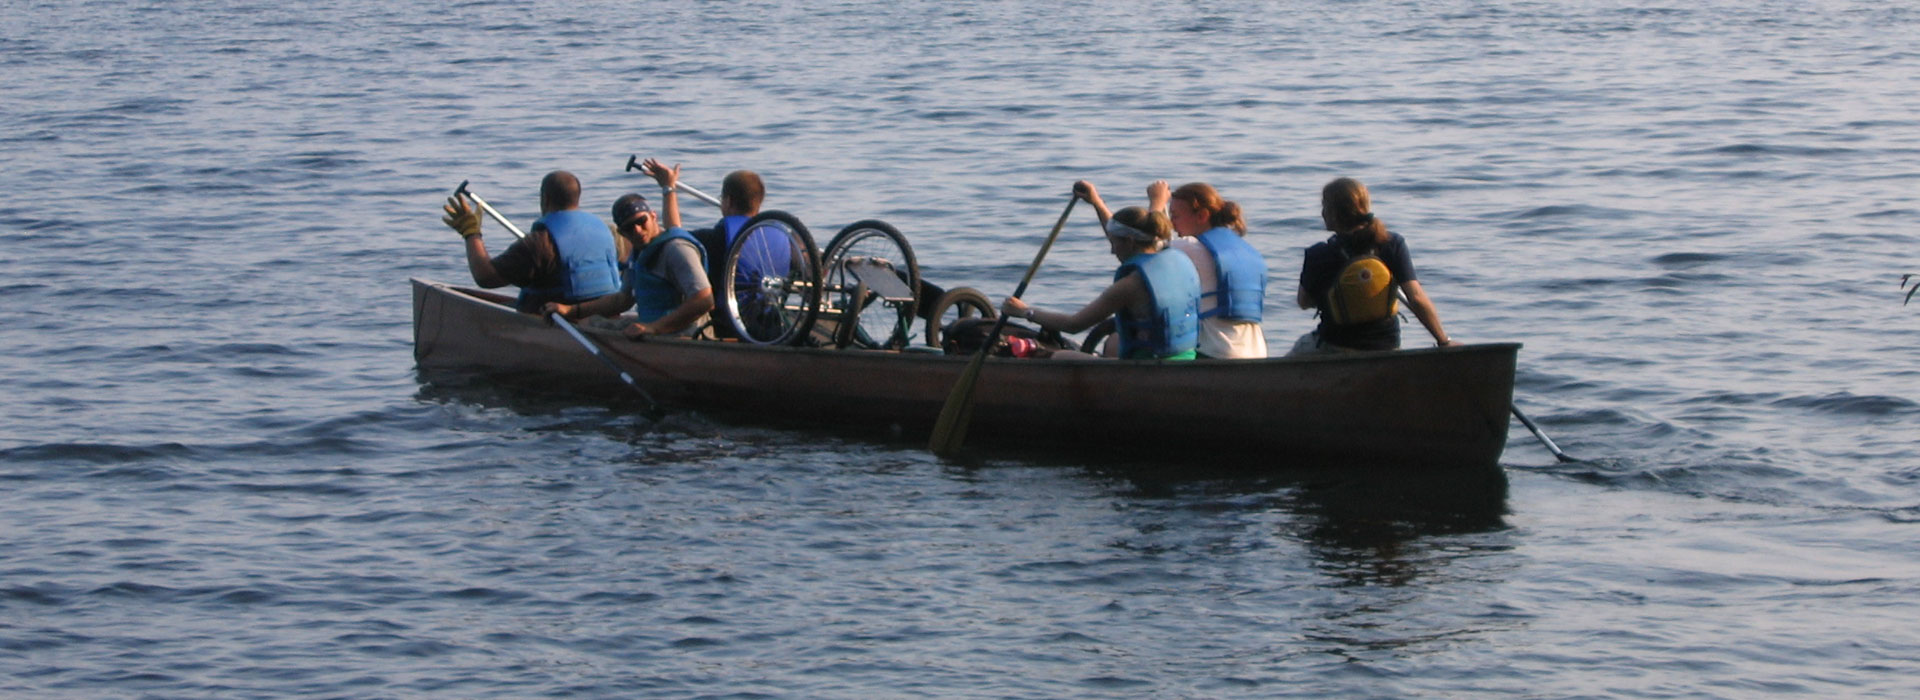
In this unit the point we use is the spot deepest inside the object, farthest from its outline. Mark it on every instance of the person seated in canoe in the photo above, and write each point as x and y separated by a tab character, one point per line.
666	278
1233	276
568	256
741	193
1351	277
1154	299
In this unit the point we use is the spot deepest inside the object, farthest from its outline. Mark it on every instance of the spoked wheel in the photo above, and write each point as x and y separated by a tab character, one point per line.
956	304
770	284
873	314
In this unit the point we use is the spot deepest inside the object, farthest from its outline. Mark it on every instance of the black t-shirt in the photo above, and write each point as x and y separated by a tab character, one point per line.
1322	267
521	268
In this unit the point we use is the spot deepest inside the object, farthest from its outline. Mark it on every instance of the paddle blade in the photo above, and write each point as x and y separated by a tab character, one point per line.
950	429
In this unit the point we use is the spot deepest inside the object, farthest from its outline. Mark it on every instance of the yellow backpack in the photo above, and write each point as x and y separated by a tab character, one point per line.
1362	293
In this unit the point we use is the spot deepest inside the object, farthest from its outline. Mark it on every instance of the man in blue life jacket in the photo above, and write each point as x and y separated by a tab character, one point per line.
741	193
568	256
666	280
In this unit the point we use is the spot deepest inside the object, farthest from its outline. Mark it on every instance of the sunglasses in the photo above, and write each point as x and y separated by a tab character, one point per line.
636	218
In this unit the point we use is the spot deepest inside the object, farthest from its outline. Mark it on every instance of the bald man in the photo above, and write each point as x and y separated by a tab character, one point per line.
567	257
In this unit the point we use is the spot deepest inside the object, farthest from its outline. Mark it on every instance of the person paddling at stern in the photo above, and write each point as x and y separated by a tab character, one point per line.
666	281
1351	279
567	257
1154	299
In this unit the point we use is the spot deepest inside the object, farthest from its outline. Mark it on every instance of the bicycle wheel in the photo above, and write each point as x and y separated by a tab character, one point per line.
876	244
770	283
1099	332
962	302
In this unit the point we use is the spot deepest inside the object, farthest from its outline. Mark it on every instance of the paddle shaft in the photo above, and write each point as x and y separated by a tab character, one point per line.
633	163
653	407
488	208
1544	440
951	427
1524	420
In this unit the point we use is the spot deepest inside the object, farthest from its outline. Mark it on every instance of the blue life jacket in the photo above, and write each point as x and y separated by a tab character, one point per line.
732	225
657	295
1241	285
716	241
1175	326
589	264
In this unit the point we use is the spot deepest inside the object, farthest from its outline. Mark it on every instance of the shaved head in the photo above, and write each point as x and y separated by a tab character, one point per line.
559	191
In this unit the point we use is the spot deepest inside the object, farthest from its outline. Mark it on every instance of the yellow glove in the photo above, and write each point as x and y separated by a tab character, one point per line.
463	219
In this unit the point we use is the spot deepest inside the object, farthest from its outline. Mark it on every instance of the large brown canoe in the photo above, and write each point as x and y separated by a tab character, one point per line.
1428	408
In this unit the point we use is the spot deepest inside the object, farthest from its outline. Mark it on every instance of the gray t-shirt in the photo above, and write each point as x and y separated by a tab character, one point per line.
680	262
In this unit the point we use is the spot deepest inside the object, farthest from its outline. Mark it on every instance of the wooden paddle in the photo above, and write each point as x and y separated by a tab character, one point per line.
951	428
653	412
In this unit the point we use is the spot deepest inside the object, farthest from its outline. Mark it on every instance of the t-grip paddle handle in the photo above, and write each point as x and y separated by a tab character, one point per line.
633	163
488	208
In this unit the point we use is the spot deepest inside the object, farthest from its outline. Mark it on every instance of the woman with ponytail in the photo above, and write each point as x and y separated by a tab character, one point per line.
1352	276
1233	275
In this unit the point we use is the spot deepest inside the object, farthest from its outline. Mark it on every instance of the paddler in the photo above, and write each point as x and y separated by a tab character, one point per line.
1350	278
1155	296
666	281
568	256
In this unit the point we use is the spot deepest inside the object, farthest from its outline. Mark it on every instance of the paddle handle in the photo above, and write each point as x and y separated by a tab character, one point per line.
1042	255
1020	291
488	208
633	163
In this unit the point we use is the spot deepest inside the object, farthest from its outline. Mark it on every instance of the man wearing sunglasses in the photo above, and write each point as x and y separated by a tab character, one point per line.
665	274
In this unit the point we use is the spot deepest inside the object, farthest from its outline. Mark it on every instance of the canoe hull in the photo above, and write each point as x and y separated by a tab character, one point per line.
1433	408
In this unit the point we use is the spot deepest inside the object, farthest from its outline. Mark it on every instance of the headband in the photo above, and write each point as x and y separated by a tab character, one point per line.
1119	230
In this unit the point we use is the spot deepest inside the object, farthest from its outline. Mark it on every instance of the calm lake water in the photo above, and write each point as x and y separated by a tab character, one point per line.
224	478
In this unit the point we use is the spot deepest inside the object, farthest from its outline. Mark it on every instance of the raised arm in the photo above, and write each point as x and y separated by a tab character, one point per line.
1085	190
668	178
1158	196
465	220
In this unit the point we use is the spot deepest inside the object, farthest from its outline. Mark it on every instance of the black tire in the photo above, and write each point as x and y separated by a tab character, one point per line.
770	283
877	239
965	302
1099	332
